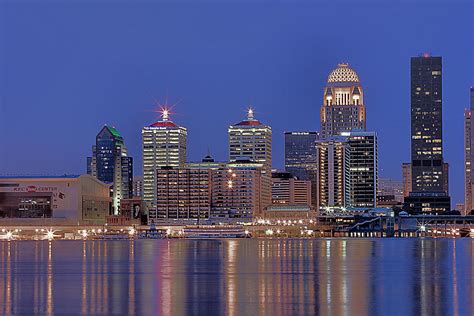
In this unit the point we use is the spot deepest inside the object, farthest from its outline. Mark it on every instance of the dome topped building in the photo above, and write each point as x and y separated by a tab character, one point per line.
343	74
343	107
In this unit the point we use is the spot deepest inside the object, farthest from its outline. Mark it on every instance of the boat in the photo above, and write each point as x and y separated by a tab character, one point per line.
466	232
213	231
152	233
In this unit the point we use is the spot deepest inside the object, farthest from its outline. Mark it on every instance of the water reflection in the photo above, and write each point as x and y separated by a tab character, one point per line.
238	277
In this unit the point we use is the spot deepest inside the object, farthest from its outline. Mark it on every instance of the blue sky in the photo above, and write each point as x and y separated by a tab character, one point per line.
69	67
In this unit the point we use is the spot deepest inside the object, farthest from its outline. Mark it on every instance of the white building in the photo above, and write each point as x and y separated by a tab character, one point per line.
164	144
250	139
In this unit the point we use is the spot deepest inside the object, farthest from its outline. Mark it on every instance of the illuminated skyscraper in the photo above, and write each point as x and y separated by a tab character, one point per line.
363	168
253	140
164	145
468	156
429	177
343	107
333	173
110	164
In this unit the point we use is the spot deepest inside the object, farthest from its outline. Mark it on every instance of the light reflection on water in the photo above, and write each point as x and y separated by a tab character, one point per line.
238	277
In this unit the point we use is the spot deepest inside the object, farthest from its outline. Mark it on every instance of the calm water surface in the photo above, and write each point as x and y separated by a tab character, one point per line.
238	277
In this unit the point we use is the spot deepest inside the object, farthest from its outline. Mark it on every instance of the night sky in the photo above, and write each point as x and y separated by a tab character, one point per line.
69	67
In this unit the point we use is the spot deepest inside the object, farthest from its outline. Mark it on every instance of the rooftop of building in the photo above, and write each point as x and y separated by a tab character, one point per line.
165	120
250	121
66	176
343	74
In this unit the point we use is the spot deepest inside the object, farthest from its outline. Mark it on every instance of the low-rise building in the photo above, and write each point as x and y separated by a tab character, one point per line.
237	191
182	194
68	199
287	189
285	211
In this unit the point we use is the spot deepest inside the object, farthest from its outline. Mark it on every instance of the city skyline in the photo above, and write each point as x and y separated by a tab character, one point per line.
284	105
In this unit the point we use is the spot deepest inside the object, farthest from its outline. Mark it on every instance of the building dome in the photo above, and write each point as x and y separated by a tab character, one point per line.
343	73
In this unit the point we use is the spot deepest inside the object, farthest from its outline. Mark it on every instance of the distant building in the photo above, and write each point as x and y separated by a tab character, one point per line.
287	189
137	186
111	164
343	107
333	173
250	139
407	182
289	211
390	187
468	156
300	153
301	159
206	163
64	199
429	178
182	195
164	145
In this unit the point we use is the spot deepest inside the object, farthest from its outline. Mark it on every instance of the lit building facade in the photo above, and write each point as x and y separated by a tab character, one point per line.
468	156
182	194
287	189
236	191
163	145
333	173
111	164
343	107
252	140
137	186
363	168
301	159
429	180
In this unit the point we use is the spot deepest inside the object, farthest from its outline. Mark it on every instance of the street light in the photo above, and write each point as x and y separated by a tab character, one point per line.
9	235
50	235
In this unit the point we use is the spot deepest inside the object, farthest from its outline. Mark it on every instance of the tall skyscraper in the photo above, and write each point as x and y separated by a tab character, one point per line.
300	153
468	156
301	159
363	168
164	145
333	173
110	164
429	193
343	107
253	140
